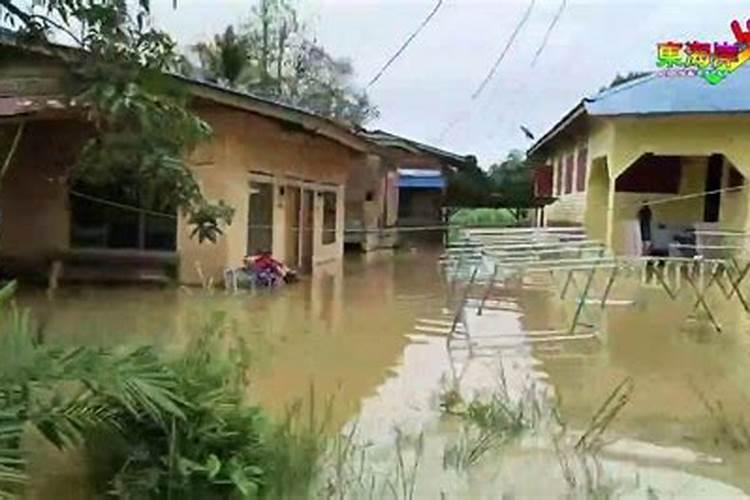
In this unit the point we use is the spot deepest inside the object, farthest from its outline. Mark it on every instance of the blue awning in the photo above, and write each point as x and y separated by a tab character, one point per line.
420	178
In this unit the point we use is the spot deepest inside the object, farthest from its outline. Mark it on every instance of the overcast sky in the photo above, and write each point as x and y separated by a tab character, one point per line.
427	94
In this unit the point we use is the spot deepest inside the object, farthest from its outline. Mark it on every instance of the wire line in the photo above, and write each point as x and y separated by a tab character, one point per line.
408	41
507	47
549	31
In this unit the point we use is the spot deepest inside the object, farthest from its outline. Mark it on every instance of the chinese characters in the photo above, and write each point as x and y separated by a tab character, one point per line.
712	61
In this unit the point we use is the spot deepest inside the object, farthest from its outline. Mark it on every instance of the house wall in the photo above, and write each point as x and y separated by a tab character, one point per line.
34	222
569	207
34	212
245	145
366	218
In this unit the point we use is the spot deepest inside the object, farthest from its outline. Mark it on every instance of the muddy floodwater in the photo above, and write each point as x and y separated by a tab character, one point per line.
369	340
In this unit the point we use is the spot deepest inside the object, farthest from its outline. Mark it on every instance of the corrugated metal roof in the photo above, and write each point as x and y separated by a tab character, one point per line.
386	139
660	95
656	94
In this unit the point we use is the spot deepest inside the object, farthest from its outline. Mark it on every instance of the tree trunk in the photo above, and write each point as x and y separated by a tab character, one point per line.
265	21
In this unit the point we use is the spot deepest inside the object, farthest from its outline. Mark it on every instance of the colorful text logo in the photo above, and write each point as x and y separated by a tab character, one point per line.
711	61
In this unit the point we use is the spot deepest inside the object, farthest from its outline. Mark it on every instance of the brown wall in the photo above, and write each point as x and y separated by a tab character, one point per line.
34	217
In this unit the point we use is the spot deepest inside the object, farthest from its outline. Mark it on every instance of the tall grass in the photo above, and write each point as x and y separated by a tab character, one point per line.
490	422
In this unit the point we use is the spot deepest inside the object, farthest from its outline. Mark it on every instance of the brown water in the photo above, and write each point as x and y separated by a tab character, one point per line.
349	333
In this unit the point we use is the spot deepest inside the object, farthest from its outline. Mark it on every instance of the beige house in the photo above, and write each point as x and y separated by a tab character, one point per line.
282	169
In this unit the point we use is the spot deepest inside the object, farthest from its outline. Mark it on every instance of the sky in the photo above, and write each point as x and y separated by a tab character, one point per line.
426	94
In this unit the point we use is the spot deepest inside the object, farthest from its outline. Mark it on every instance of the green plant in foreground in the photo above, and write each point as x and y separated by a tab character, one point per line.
66	393
217	449
151	427
489	422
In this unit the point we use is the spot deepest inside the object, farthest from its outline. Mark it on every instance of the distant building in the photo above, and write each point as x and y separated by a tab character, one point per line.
405	189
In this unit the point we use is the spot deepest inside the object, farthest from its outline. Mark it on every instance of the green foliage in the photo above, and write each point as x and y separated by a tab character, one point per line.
294	448
152	428
216	450
225	58
468	187
483	217
224	447
509	184
65	393
489	423
142	129
513	180
275	56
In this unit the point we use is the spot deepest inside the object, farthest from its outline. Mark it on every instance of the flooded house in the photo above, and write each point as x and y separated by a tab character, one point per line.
282	169
404	187
678	145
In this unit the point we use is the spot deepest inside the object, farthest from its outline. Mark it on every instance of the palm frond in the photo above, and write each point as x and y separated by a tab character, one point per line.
12	463
139	383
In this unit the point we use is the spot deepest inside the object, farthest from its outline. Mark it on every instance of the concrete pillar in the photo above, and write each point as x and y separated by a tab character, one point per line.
611	213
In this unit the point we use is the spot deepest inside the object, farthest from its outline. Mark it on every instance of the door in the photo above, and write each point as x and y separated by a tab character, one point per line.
293	215
306	218
712	201
260	218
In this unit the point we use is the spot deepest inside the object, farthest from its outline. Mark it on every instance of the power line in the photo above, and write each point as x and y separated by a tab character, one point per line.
549	30
406	43
507	47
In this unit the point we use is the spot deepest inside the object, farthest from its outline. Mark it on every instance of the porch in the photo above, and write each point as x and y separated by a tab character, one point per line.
689	171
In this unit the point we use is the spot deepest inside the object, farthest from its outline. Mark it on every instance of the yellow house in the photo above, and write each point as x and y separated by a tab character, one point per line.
680	145
283	170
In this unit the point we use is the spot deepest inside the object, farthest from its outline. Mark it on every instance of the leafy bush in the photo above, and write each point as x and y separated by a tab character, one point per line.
152	427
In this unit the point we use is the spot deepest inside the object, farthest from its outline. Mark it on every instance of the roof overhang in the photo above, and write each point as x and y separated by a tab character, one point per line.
573	115
310	122
385	141
315	124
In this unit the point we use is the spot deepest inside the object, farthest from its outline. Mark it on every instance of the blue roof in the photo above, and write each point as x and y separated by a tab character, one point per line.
420	178
654	94
658	95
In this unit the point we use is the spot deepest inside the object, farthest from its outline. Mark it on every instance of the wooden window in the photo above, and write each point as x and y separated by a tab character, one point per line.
558	176
569	168
582	163
329	217
543	181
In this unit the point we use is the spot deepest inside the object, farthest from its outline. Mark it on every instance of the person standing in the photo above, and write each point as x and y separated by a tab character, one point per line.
644	219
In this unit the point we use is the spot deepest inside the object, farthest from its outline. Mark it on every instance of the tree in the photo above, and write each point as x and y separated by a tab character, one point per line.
282	61
513	181
142	127
226	58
